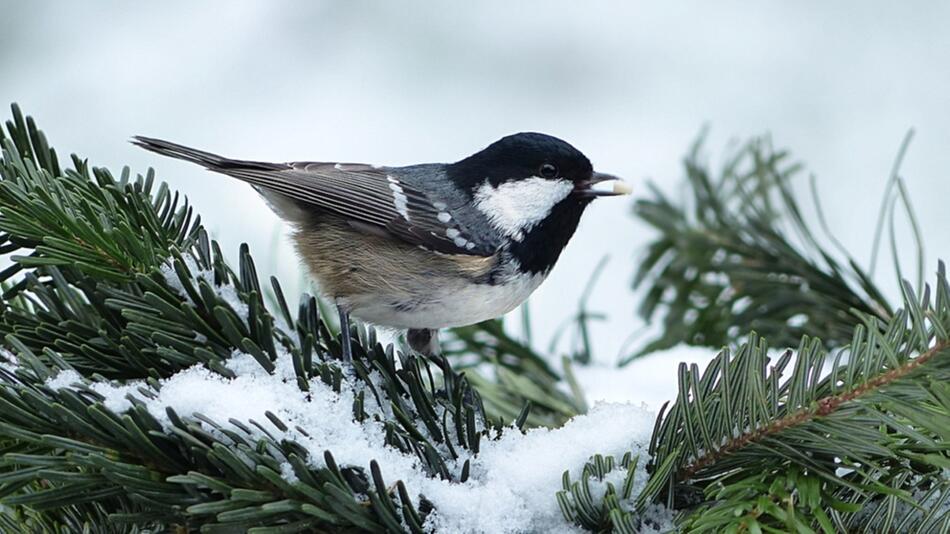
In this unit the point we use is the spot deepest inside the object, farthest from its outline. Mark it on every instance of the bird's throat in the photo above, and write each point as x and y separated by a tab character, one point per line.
541	247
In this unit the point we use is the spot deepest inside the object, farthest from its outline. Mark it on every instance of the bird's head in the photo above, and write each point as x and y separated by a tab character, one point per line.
533	158
532	188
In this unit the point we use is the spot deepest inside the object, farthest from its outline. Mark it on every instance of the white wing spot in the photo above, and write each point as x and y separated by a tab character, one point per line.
399	197
337	166
444	217
515	207
452	233
460	241
469	245
439	205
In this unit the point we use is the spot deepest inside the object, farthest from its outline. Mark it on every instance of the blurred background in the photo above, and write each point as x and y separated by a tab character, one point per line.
631	84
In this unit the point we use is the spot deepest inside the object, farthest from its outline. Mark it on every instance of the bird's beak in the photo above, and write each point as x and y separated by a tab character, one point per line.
585	189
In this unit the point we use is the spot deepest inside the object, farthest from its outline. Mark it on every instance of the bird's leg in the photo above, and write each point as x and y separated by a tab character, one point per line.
424	341
345	335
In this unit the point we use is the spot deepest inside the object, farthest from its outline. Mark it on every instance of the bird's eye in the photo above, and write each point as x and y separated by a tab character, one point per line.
548	171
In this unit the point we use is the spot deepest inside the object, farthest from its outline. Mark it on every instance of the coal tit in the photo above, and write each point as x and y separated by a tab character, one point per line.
428	246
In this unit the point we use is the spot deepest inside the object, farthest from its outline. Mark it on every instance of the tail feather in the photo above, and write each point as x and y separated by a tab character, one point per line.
208	160
284	206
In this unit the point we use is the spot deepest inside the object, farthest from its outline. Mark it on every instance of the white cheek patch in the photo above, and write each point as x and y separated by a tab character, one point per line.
516	207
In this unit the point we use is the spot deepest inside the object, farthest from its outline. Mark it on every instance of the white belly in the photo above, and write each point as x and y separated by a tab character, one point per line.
458	303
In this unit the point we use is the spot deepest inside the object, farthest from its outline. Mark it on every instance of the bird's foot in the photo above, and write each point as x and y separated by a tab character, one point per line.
424	341
346	338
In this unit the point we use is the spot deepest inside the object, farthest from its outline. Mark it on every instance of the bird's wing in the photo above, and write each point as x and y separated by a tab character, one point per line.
370	195
362	194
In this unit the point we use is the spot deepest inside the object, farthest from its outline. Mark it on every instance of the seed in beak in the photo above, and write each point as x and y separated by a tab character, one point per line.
622	188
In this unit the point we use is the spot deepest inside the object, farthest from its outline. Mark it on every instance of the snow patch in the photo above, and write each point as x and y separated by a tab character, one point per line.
516	477
513	480
226	292
8	361
115	397
64	379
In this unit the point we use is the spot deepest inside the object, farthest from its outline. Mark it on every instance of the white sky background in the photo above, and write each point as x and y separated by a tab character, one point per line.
628	83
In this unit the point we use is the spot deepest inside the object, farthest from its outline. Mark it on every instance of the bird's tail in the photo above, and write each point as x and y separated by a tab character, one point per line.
208	160
256	173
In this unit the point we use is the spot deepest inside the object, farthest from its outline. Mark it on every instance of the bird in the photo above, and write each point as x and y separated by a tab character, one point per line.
427	246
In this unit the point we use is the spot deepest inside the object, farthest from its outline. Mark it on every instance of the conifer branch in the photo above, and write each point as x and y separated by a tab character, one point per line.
822	407
736	255
870	436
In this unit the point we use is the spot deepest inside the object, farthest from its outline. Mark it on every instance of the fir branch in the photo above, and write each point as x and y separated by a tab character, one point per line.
738	256
509	374
822	407
726	263
748	414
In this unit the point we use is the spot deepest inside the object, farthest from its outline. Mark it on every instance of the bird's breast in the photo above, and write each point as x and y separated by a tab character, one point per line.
446	303
389	283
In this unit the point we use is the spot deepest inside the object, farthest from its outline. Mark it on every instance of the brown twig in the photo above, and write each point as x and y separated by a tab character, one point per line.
822	407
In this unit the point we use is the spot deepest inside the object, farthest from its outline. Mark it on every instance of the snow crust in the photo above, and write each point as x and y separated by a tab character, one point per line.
116	396
512	481
8	361
227	292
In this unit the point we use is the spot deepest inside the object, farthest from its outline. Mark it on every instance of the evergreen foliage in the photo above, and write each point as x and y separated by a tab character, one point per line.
606	511
94	299
517	376
737	256
115	280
